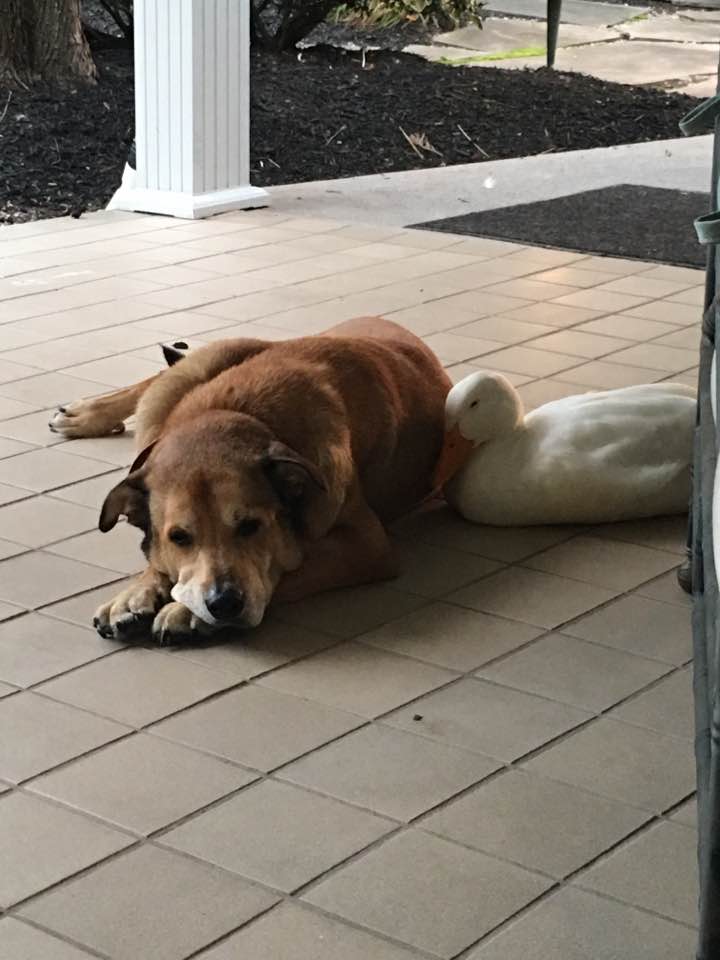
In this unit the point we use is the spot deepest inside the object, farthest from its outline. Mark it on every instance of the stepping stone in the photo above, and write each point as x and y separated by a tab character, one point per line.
701	88
629	61
708	16
584	13
670	28
500	35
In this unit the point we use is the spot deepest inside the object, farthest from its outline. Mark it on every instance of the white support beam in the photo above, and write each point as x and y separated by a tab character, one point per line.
192	110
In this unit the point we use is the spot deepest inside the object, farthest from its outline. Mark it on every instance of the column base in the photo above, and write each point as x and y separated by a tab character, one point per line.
186	206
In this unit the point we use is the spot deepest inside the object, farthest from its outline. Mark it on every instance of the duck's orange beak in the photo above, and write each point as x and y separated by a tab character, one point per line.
455	451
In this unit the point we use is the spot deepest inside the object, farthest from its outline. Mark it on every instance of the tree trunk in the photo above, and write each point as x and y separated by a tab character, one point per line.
43	40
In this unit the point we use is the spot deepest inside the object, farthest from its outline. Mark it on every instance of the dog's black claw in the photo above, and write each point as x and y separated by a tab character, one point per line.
62	408
181	345
105	631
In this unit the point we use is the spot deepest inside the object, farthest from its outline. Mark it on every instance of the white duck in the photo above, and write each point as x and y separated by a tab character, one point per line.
592	458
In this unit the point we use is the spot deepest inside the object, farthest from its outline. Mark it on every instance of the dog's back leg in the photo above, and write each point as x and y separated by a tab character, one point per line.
99	416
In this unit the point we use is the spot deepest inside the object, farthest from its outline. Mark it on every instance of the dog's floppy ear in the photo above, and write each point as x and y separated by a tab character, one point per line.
128	498
291	475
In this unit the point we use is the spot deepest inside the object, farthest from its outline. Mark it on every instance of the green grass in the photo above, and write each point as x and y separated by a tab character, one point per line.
516	54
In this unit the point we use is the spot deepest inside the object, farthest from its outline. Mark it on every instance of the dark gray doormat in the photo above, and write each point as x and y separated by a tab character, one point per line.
639	223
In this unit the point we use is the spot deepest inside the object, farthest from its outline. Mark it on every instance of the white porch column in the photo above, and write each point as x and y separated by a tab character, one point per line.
192	110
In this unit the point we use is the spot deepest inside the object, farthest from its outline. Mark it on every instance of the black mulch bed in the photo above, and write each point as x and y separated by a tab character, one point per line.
638	223
321	114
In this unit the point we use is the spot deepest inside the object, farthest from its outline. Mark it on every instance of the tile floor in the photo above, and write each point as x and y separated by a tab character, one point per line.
489	758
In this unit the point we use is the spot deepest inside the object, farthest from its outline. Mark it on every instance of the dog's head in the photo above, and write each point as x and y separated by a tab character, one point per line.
223	505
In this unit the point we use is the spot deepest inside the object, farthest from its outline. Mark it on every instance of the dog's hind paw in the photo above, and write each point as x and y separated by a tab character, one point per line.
84	418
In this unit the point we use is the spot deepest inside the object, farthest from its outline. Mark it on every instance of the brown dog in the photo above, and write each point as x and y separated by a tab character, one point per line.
264	462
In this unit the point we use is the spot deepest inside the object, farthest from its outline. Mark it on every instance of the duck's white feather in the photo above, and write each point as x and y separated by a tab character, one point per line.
592	458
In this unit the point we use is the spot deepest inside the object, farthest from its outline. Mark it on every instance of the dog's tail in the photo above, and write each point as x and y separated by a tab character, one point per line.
174	352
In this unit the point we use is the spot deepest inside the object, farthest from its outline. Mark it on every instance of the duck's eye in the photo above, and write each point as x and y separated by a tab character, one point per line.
248	526
180	537
474	403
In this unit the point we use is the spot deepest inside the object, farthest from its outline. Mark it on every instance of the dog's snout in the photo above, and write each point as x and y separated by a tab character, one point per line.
224	601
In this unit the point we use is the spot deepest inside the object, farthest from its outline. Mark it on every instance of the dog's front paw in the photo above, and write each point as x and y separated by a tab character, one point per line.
85	418
175	624
132	611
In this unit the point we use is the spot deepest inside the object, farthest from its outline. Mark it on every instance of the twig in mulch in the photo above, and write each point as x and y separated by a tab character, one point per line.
420	141
7	104
470	140
336	134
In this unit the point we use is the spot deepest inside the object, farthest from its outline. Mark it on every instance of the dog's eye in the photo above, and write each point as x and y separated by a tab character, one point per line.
181	538
474	403
248	526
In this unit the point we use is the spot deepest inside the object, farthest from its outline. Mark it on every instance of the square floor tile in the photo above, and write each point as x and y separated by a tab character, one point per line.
658	357
35	648
604	375
12	494
248	653
20	940
416	889
656	870
39	734
452	349
49	389
667	707
662	533
578	344
142	783
627	327
35	579
10	448
606	563
582	674
90	493
503	329
41	844
573	925
43	520
291	933
534	395
530	288
357	678
605	300
537	598
450	636
388	771
81	608
46	469
537	823
177	906
137	686
687	814
639	625
257	727
667	589
278	834
119	550
495	721
347	613
553	314
432	571
441	526
622	762
532	363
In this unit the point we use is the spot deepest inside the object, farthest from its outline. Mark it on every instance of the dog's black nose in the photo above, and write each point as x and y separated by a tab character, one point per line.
224	601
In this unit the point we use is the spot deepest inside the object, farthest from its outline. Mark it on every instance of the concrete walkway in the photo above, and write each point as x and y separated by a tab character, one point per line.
414	196
613	42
